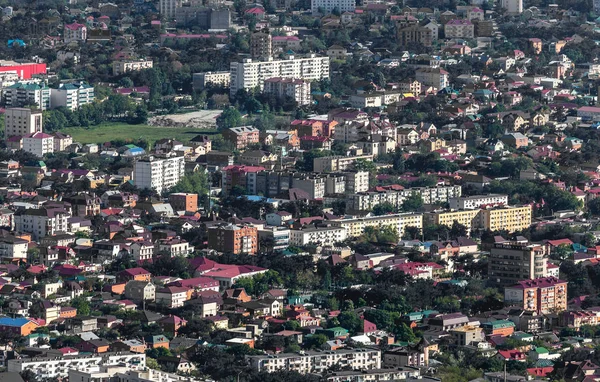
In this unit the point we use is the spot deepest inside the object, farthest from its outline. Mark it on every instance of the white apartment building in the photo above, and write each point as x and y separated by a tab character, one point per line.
477	201
294	88
60	366
203	80
172	296
42	222
167	8
39	144
459	28
23	93
125	374
122	67
355	226
322	236
337	163
357	181
326	6
365	201
142	251
12	248
250	74
317	362
74	32
19	121
158	173
72	95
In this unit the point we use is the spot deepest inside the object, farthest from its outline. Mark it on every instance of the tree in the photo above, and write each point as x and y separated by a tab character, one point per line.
404	333
82	305
458	230
230	117
384	208
412	203
196	183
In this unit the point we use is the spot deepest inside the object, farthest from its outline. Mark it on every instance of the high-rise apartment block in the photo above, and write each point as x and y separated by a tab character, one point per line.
233	238
157	173
261	45
22	121
509	263
542	295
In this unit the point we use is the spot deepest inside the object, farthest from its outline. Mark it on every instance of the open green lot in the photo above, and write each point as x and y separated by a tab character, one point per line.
109	131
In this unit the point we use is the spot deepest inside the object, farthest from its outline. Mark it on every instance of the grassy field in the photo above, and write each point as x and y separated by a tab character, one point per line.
109	131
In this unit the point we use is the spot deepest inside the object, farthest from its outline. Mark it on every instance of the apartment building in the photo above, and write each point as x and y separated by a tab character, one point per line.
201	81
436	77
174	246
261	45
506	218
293	88
477	201
391	374
459	29
158	173
317	361
512	7
509	263
13	248
20	121
250	74
577	319
337	163
327	6
74	32
52	366
279	236
322	236
172	296
365	201
542	295
182	201
42	222
415	34
241	136
240	176
25	93
355	226
233	238
410	86
72	95
39	144
61	141
124	374
167	8
124	66
356	181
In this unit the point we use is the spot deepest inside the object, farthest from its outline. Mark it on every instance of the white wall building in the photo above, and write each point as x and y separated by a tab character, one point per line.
12	248
39	144
158	173
41	222
22	121
74	32
202	80
23	93
365	201
323	236
250	74
329	5
294	88
72	95
121	67
167	8
476	201
513	7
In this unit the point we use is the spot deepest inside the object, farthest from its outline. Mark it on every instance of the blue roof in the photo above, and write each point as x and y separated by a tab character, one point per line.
17	322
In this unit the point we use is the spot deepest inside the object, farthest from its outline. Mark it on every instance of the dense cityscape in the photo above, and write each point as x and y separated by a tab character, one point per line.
299	191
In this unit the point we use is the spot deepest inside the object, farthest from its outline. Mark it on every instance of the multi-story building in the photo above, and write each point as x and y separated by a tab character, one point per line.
72	95
467	335
355	226
322	236
124	66
22	93
261	45
74	32
391	374
39	144
356	181
241	136
182	201
294	88
278	236
512	7
25	70
250	74
61	141
167	8
365	201
410	86
577	319
172	296
506	218
13	248
84	204
233	238
139	291
22	121
317	361
459	29
542	295
327	6
436	77
158	173
337	163
415	34
42	222
508	263
477	201
174	246
240	176
51	366
206	79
